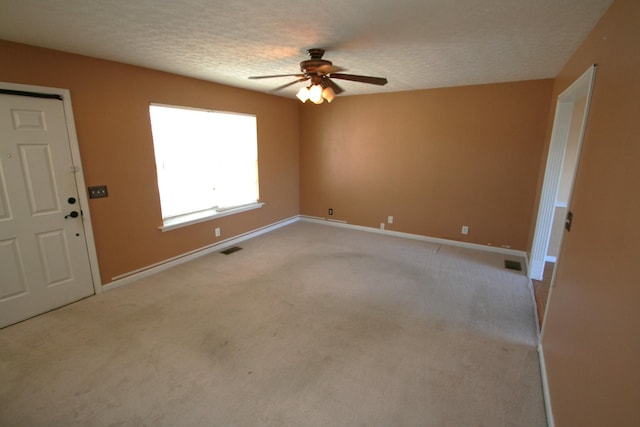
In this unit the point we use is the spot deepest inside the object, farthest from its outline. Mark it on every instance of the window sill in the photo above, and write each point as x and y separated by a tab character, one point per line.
195	218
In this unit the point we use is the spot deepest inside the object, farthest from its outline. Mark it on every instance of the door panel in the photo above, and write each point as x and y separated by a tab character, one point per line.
43	253
24	119
38	178
54	252
5	213
11	271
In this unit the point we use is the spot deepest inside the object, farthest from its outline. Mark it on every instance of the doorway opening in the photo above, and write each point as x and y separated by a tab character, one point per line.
569	124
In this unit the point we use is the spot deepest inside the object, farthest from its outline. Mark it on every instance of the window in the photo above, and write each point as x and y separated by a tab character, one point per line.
207	163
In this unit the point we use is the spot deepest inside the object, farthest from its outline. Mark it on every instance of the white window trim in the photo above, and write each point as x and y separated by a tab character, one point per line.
206	215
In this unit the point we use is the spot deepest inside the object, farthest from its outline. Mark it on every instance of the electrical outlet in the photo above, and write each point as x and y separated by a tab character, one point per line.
382	226
330	211
217	232
390	219
465	229
98	191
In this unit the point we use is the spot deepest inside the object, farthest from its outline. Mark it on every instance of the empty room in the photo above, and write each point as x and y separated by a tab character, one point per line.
367	213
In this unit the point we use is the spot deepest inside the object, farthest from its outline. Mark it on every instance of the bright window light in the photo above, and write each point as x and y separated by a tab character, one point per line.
207	161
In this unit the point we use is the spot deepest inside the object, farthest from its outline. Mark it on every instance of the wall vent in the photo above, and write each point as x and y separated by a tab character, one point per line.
513	265
231	250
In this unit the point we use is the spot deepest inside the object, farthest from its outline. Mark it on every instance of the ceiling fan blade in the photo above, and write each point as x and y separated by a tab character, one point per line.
289	84
362	79
330	83
328	69
276	75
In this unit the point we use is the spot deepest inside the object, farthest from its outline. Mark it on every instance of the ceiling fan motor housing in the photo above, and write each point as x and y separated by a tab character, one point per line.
311	65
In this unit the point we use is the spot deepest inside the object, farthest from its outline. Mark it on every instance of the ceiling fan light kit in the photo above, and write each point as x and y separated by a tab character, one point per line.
321	72
316	94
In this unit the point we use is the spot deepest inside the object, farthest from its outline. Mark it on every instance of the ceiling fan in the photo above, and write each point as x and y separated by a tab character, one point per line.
321	73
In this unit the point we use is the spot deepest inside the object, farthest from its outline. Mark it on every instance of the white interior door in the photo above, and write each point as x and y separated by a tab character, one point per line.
44	262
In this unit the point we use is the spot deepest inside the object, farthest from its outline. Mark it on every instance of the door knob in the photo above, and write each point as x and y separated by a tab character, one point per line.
72	214
71	200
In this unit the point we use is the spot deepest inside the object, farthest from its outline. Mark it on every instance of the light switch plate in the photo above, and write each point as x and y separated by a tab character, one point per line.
98	191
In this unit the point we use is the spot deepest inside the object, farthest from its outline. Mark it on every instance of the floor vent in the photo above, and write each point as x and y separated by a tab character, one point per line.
512	265
231	250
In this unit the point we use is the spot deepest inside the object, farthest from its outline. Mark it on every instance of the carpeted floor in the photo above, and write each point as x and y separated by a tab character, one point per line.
309	325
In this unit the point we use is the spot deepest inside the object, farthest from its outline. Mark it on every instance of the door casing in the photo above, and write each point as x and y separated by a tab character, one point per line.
553	170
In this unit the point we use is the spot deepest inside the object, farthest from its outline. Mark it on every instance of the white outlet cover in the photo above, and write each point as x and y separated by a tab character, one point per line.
390	219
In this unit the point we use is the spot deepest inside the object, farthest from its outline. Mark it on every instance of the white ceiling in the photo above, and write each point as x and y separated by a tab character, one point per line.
416	44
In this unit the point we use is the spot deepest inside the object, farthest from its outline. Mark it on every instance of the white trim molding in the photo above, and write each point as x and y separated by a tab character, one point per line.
583	86
207	215
486	248
149	270
545	387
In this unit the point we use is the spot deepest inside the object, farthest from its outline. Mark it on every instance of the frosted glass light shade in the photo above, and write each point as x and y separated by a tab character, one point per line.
315	94
303	94
328	94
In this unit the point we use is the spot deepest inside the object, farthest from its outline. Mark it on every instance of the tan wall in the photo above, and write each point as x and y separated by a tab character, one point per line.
434	159
110	103
591	338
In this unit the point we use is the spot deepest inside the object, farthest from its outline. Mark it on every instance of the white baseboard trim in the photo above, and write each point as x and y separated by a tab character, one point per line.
545	387
526	271
505	251
149	270
339	221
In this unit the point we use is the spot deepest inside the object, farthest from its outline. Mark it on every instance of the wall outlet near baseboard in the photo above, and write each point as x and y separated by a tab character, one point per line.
382	226
217	231
465	229
390	219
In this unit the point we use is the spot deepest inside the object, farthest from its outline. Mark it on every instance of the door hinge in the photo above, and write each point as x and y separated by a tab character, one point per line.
74	169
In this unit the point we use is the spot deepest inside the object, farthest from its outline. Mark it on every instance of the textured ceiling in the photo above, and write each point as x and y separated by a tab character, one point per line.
416	44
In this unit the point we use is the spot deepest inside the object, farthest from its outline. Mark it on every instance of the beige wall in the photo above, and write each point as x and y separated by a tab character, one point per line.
434	159
591	338
110	103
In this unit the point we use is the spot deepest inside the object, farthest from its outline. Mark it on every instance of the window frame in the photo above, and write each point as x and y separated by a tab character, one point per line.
190	218
206	215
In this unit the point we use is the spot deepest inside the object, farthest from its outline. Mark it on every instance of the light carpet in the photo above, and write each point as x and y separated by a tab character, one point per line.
309	325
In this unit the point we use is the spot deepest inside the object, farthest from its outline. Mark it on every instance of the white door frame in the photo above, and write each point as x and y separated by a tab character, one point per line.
553	171
79	175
